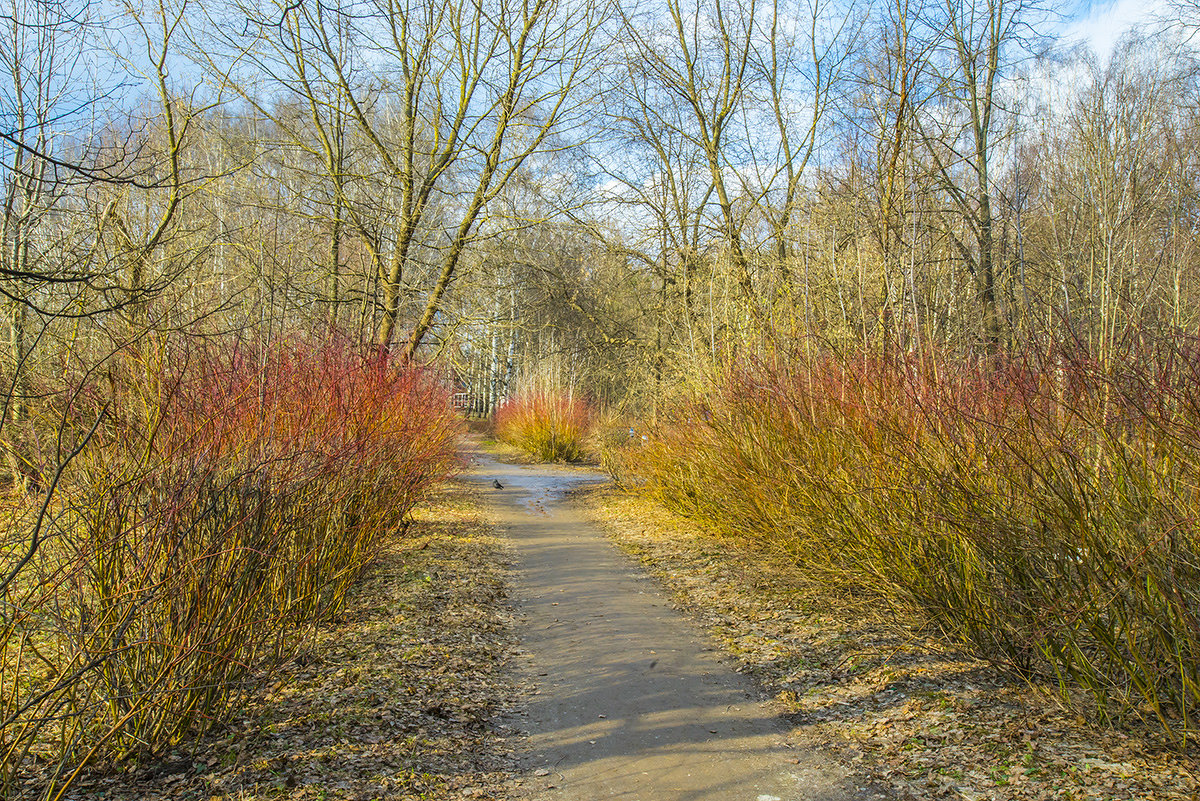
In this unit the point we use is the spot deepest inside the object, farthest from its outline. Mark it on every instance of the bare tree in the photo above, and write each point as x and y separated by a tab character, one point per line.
799	59
966	122
1109	240
449	98
702	65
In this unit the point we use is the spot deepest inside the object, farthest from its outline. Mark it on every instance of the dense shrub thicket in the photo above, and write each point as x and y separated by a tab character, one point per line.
548	424
1041	510
225	500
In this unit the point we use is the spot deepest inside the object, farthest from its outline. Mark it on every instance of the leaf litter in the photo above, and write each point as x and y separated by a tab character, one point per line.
398	698
910	717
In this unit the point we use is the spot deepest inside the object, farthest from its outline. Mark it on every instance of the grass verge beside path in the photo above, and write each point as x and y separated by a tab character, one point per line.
396	699
914	720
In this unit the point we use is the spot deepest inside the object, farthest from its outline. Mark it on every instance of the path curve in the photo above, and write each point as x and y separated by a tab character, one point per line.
629	700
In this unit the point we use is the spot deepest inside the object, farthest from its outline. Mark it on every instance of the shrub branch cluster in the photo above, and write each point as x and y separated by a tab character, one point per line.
1040	509
226	499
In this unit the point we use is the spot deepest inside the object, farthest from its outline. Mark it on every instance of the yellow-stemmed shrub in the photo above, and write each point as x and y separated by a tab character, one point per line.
548	424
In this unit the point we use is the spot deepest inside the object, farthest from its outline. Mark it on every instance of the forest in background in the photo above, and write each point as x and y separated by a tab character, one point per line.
910	284
618	193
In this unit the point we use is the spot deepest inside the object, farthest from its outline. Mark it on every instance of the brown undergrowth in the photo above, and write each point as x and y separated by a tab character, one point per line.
916	720
396	699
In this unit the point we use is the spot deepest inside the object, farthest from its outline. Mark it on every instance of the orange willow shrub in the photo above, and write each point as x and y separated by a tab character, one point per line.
226	501
1042	511
548	424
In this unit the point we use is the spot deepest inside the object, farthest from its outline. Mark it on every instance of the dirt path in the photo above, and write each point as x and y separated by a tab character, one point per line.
629	700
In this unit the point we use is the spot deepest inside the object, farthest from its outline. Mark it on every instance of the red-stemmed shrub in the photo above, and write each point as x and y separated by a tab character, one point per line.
1041	508
229	495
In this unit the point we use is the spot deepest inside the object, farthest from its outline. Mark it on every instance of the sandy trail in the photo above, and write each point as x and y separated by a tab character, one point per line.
631	701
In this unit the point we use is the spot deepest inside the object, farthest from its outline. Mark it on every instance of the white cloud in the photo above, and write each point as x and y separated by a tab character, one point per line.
1101	25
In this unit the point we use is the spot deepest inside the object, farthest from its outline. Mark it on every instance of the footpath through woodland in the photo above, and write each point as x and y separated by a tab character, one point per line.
626	699
506	648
